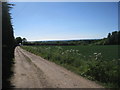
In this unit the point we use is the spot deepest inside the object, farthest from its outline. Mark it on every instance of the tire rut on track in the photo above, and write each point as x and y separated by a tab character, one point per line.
32	71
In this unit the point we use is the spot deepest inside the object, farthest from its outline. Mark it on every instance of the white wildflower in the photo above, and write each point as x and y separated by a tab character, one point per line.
96	58
94	53
99	54
77	50
62	53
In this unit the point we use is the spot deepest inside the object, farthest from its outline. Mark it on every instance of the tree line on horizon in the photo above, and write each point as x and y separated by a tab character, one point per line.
112	39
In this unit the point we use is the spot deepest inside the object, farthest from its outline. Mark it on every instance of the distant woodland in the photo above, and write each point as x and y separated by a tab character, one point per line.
111	39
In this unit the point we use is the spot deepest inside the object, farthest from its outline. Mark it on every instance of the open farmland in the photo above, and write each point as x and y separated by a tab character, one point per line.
99	63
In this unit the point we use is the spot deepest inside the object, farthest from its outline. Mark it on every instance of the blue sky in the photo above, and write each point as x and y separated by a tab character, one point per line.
38	21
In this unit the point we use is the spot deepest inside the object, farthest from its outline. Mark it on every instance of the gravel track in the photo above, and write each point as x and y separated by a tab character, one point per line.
32	71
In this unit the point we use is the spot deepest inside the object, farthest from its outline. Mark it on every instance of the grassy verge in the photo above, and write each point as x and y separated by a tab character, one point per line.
98	63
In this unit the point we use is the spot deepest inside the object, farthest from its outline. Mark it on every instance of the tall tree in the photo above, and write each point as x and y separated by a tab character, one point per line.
113	39
24	40
7	44
18	40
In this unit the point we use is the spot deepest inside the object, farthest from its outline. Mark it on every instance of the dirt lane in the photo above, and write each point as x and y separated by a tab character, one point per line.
31	71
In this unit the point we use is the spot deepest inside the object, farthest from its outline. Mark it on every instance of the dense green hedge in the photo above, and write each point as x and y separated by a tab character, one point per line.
7	45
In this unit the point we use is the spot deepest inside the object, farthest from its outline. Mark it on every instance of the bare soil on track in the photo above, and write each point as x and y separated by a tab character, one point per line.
32	71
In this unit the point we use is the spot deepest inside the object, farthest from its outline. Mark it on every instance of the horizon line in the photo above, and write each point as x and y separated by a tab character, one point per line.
62	40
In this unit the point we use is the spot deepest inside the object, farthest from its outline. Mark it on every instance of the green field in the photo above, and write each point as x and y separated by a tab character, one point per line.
98	63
